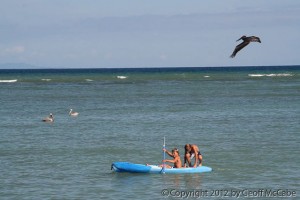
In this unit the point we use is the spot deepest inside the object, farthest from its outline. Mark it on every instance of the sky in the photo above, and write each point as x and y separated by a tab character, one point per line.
147	33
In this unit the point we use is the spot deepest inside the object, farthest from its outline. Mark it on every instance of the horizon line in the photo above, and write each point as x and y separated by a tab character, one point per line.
32	67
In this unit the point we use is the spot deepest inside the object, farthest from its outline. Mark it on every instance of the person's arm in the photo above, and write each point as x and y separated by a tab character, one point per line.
187	161
169	153
171	161
196	157
196	161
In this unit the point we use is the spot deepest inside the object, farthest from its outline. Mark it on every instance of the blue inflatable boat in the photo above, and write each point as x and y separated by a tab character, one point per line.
154	169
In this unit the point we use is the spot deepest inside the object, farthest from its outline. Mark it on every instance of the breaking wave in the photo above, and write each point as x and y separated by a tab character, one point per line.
8	81
270	75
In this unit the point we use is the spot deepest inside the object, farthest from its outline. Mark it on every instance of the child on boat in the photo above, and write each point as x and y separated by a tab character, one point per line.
176	160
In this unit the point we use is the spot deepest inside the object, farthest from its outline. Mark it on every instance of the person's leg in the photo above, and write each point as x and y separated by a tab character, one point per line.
188	159
200	160
166	166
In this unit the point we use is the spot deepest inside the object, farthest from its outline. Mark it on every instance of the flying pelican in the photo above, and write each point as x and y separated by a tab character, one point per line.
73	114
246	41
49	119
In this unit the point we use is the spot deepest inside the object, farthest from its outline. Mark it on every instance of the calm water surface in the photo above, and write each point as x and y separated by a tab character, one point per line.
245	121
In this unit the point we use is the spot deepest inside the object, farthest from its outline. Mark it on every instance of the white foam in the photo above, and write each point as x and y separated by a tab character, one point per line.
256	75
280	75
46	79
8	81
89	80
121	77
206	76
270	75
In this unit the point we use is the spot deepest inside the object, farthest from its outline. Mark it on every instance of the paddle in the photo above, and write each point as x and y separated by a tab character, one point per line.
164	156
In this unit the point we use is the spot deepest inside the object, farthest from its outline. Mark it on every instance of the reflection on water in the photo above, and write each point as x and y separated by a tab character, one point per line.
182	180
166	180
131	184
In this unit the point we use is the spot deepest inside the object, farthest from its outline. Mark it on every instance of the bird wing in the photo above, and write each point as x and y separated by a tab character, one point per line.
238	48
255	39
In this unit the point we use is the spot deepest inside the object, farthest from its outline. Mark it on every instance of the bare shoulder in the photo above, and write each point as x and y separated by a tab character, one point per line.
195	147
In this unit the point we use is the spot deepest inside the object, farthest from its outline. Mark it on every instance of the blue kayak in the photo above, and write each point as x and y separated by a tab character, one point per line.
154	169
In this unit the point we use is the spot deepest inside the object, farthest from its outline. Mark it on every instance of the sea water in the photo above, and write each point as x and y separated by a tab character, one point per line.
245	121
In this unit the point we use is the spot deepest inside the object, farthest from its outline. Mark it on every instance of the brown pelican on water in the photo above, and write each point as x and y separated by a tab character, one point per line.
246	41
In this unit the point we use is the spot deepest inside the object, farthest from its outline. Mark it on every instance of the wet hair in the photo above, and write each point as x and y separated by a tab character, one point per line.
175	149
187	146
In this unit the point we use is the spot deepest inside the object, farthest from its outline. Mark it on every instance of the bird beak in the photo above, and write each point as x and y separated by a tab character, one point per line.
239	39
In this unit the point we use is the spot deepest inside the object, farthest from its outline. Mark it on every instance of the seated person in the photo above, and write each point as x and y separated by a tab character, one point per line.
176	160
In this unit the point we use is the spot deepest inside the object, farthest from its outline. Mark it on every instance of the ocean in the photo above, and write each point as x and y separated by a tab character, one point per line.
245	120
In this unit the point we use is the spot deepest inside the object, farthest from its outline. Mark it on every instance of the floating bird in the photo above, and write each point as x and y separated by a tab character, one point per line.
49	119
246	41
73	114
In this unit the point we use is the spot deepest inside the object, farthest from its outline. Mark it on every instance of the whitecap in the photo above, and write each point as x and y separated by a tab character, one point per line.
270	75
285	74
89	80
46	79
121	77
8	81
256	75
206	76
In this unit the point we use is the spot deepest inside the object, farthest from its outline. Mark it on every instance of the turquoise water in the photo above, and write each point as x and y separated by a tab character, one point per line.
245	121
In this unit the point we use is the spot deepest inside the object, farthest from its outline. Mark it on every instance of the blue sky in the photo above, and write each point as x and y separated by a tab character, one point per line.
148	33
